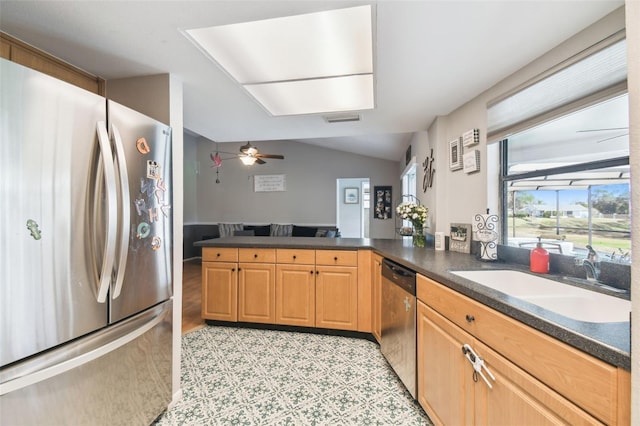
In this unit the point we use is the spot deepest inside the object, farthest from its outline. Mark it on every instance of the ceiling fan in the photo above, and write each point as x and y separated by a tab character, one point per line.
250	155
621	135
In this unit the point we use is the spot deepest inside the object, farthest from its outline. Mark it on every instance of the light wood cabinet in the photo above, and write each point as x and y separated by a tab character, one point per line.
256	285
295	295
337	289
299	287
29	56
539	380
220	291
376	302
337	297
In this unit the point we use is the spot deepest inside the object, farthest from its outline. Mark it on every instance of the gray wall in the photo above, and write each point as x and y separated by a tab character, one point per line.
191	171
310	196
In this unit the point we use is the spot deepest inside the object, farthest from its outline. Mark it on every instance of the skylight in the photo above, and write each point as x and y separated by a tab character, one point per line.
304	64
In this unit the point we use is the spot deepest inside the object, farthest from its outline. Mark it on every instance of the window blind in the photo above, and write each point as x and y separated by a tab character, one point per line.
590	77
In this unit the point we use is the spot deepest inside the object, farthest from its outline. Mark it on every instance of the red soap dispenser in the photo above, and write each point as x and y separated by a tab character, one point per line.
539	259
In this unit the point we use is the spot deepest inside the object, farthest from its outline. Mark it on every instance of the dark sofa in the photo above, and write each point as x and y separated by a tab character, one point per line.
197	232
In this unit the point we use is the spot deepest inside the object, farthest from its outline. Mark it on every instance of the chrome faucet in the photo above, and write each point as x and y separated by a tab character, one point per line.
591	265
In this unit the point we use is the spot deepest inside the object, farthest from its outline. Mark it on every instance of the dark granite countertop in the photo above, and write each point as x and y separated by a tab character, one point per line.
610	342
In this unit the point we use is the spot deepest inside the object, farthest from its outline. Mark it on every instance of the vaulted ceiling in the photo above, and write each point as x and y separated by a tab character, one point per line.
430	57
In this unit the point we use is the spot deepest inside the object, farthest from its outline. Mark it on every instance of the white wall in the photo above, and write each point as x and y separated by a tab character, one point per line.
457	196
633	60
310	197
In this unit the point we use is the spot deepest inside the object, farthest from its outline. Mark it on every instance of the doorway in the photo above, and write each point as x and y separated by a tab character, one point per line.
352	211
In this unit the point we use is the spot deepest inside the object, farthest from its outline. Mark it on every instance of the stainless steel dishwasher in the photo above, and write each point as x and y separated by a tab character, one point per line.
398	342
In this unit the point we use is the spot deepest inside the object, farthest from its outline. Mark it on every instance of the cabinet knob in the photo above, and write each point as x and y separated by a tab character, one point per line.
335	258
294	257
255	256
470	318
233	269
311	272
317	272
217	254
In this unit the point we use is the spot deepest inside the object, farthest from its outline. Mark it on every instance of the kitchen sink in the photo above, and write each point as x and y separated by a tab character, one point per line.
567	300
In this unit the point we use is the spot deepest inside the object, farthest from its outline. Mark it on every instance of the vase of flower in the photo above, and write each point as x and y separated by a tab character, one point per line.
418	237
417	215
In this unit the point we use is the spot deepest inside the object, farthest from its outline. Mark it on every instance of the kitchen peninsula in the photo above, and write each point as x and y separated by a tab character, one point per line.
603	348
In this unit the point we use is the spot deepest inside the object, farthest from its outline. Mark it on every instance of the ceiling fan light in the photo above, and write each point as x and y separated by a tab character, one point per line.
248	161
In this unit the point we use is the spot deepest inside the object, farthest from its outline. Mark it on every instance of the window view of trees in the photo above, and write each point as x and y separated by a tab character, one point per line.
564	219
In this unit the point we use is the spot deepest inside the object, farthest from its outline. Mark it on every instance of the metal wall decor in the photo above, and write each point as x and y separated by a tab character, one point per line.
383	205
429	171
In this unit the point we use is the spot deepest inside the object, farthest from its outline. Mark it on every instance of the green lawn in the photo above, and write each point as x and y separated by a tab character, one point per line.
604	237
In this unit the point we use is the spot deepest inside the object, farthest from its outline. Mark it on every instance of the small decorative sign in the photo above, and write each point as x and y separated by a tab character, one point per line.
460	237
455	154
269	183
471	137
471	161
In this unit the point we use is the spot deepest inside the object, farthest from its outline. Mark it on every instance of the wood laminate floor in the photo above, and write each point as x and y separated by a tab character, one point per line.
191	296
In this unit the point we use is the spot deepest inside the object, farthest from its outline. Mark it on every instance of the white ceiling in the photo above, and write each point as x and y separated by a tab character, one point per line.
430	57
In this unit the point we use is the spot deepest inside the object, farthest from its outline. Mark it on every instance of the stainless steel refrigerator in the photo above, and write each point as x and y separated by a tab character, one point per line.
85	256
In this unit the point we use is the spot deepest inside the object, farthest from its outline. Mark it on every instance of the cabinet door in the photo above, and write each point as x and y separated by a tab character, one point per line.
256	292
445	377
517	398
337	297
295	295
376	276
220	291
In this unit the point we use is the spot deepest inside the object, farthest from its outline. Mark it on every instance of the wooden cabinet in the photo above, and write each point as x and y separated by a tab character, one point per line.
538	380
256	285
376	299
299	287
220	291
295	295
337	289
29	56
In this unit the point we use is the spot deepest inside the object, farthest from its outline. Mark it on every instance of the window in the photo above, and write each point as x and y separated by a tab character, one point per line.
567	181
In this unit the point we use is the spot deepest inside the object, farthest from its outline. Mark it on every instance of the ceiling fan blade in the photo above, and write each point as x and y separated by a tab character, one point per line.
602	130
276	156
259	161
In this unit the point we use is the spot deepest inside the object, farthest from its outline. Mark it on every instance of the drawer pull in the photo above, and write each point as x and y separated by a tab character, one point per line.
217	254
335	258
255	256
294	257
470	318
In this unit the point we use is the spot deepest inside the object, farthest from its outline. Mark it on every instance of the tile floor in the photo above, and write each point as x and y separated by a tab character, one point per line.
264	377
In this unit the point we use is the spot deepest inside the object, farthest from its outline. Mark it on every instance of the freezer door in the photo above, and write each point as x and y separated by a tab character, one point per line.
120	375
142	152
48	279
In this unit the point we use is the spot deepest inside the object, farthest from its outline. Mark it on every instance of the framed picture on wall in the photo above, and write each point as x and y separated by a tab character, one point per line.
351	196
382	202
455	154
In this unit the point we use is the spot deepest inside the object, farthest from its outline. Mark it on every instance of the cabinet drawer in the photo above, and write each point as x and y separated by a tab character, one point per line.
260	255
219	254
585	380
337	257
298	256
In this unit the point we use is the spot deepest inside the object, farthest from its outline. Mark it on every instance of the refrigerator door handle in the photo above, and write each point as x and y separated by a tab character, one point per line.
125	211
104	278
